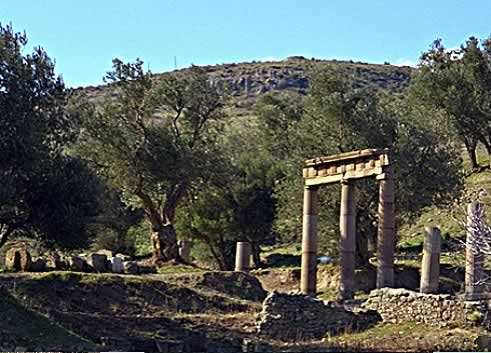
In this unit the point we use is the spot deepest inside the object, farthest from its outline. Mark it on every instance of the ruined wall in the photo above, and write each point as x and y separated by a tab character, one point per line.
296	317
400	305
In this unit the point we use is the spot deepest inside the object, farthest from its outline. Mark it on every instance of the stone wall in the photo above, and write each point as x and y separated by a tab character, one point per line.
401	305
296	317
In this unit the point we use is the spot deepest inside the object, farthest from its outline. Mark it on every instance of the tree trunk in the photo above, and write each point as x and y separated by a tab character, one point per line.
164	243
470	146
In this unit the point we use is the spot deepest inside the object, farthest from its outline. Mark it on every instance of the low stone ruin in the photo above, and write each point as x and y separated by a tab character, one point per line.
18	259
297	317
402	305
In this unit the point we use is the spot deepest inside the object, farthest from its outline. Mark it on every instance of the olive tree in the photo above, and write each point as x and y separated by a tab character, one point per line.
153	140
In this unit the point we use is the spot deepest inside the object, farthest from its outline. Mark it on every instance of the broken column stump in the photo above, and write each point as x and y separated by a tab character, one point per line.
430	266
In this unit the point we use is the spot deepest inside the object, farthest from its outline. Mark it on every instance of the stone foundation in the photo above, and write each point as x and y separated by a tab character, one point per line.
296	317
402	305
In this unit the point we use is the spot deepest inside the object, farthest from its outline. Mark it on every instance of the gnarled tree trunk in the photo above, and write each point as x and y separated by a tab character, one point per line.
470	146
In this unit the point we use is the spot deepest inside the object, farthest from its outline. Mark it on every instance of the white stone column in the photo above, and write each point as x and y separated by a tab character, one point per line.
430	265
473	258
243	257
386	230
308	276
347	244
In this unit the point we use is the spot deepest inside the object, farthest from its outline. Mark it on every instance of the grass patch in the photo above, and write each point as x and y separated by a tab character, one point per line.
24	326
407	337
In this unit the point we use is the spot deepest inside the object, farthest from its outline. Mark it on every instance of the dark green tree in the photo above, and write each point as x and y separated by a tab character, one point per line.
35	129
459	83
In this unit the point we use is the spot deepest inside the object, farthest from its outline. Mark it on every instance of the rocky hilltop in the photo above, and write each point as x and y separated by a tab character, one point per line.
247	81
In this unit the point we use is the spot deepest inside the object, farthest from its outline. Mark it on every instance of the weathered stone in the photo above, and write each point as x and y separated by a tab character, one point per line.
299	317
57	263
98	262
39	265
17	259
78	264
117	265
131	267
402	305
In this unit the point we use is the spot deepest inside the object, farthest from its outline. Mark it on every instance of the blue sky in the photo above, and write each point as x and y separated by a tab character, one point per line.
84	36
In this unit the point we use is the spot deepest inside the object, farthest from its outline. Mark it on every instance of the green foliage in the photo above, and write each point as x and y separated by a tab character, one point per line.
154	141
43	192
458	82
338	118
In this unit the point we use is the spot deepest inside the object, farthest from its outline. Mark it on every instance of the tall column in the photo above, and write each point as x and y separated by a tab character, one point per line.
308	276
243	256
347	244
430	266
473	257
386	230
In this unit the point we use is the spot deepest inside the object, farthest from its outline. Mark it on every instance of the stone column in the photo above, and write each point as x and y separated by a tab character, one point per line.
473	258
243	256
185	250
430	266
386	230
347	244
308	276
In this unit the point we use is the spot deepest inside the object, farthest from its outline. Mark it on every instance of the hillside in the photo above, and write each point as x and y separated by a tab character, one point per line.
248	81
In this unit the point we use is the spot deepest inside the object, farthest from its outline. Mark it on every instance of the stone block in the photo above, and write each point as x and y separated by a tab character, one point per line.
78	264
131	267
39	265
117	265
98	262
18	259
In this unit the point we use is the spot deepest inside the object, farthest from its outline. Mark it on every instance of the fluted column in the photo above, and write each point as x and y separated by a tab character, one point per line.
386	230
308	277
347	244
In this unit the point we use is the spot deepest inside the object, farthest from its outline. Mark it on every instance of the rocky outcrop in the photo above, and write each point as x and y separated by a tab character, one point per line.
401	305
296	317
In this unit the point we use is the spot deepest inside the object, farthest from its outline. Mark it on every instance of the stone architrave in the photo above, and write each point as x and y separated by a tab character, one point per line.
347	248
474	259
308	275
430	265
243	256
346	168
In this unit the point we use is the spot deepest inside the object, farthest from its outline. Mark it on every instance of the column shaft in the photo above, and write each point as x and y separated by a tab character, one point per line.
473	258
243	256
386	231
347	227
308	276
430	266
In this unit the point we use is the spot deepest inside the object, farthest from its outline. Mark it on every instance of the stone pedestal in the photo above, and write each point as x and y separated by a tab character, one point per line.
243	257
185	250
308	276
386	230
347	228
430	266
474	259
